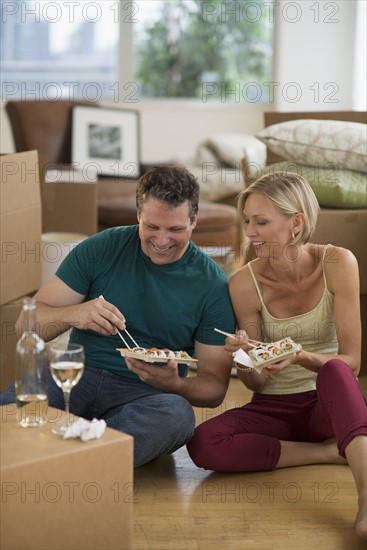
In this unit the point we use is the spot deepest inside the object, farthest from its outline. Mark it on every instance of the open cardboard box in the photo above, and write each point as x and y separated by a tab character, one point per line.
65	494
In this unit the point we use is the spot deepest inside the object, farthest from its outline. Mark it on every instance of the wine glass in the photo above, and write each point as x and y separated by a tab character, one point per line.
67	367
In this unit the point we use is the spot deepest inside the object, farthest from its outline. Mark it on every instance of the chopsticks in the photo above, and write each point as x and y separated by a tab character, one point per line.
253	343
128	333
123	339
225	333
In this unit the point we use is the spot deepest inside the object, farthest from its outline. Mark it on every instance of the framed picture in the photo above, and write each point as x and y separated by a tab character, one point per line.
106	140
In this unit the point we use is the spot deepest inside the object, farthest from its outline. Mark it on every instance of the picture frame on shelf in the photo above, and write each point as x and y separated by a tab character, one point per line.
106	140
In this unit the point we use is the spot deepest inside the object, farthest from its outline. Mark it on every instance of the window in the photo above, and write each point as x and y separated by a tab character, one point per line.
58	49
151	49
203	49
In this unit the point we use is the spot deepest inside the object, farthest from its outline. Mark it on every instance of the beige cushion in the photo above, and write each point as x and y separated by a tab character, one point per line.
217	164
319	142
229	149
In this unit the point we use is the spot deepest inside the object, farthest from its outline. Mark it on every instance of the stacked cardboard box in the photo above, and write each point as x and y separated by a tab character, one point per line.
29	207
59	494
20	225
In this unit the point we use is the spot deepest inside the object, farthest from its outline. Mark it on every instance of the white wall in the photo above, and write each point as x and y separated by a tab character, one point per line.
315	54
173	131
315	66
360	61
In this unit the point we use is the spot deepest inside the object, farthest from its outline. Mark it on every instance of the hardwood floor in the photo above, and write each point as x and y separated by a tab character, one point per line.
180	507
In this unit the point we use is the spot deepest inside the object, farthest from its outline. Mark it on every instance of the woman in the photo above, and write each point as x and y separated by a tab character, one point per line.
310	293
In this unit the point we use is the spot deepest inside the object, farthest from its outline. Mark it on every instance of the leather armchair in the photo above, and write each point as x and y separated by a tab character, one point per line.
43	125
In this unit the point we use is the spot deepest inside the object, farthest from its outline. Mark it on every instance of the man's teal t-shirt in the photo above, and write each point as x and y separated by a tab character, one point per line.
165	306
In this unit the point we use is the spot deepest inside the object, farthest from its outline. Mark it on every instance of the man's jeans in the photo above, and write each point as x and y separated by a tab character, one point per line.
159	422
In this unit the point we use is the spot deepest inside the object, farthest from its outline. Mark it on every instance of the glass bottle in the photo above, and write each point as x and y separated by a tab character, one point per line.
31	372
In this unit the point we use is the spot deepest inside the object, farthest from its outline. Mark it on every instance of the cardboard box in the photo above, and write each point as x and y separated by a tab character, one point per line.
20	225
348	229
69	207
69	198
65	494
9	313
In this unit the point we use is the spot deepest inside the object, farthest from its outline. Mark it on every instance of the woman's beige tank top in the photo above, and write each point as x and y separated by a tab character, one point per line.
314	330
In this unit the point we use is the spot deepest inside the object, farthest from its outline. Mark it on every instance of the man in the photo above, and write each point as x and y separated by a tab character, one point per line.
151	279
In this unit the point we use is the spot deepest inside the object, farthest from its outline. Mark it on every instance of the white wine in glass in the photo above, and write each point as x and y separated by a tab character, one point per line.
67	367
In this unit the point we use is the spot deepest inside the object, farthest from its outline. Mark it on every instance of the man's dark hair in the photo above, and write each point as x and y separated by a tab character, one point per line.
173	185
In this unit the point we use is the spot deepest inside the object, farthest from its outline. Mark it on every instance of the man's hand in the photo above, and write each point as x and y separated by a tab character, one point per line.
98	315
164	376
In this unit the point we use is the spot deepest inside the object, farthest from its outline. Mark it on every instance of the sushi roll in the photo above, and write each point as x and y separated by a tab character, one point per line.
286	344
139	350
153	352
274	350
169	353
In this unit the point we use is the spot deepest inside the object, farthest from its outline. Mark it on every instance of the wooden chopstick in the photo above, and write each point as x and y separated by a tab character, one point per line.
225	333
122	338
131	338
252	343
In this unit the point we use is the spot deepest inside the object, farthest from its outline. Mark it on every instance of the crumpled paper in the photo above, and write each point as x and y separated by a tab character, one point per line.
85	429
244	359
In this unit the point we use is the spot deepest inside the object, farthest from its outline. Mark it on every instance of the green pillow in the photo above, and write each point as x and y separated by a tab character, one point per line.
334	188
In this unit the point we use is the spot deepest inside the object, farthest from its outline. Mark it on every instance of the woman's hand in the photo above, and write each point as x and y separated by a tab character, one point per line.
276	368
239	341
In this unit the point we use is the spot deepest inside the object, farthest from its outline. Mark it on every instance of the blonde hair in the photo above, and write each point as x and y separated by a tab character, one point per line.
289	193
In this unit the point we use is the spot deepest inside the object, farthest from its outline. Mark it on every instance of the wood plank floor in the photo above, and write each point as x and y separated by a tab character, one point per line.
180	507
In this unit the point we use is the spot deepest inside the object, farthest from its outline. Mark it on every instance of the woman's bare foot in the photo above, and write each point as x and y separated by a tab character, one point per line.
360	524
333	453
356	452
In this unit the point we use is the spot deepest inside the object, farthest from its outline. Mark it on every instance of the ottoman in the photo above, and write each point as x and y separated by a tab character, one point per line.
217	224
